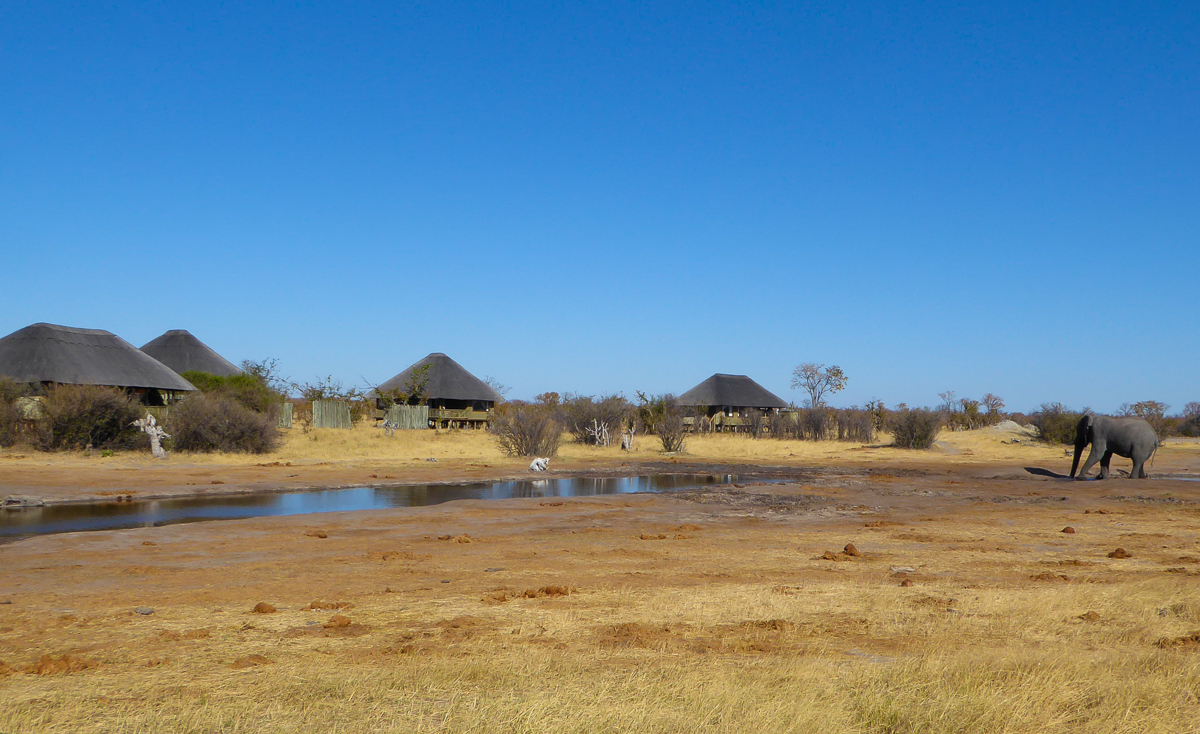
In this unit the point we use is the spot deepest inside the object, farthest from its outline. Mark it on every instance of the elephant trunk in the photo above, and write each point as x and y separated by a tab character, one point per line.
1075	461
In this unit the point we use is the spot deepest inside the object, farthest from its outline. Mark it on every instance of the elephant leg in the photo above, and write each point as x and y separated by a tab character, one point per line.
1105	461
1139	465
1093	457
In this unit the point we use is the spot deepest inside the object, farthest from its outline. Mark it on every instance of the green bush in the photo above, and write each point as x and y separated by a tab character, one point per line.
220	423
522	429
11	389
1056	423
916	428
81	416
252	391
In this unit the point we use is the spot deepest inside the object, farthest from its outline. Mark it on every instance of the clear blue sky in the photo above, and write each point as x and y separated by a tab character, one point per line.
604	197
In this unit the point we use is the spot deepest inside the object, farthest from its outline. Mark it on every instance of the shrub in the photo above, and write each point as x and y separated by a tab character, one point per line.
1189	423
11	389
221	423
522	429
1189	427
854	425
78	416
753	422
784	426
10	423
916	428
663	416
584	415
1056	423
812	423
252	391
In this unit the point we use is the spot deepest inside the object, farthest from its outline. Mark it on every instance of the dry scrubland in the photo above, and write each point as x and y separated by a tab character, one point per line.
730	609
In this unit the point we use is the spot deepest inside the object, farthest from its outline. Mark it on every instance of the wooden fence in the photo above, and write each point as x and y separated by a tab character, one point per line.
284	419
408	416
331	414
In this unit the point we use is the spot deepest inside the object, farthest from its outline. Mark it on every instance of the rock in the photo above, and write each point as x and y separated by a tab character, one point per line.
539	464
17	501
902	569
144	610
314	605
337	620
492	570
1120	553
264	608
850	550
249	662
906	583
1069	530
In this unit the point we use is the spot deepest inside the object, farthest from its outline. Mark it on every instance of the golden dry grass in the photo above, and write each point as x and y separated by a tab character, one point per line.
845	657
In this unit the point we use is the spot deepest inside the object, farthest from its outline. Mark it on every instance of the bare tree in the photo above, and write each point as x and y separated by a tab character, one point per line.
993	403
493	383
816	380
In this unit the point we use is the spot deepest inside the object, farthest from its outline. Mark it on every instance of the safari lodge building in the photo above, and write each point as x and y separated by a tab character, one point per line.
455	397
722	402
182	352
47	354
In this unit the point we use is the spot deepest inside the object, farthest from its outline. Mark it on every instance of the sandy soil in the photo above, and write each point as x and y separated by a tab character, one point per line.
560	576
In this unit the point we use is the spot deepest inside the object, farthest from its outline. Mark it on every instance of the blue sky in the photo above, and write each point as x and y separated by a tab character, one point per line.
609	197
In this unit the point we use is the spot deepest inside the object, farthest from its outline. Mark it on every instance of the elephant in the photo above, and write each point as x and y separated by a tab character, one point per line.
1132	438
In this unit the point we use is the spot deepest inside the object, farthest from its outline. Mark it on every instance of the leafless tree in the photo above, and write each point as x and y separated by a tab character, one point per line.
817	380
493	383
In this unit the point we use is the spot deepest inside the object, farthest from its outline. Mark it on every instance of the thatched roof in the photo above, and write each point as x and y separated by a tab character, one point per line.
448	380
182	352
50	353
732	390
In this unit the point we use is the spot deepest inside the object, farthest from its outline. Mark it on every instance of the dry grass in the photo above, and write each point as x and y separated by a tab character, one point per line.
847	657
366	444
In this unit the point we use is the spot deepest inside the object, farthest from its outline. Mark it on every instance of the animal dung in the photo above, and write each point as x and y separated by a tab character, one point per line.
1120	553
1069	530
264	608
850	550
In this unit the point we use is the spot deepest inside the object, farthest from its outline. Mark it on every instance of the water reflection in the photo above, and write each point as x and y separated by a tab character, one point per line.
120	515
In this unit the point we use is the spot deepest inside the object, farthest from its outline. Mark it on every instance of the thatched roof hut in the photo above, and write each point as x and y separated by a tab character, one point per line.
182	352
453	394
446	380
731	391
47	353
